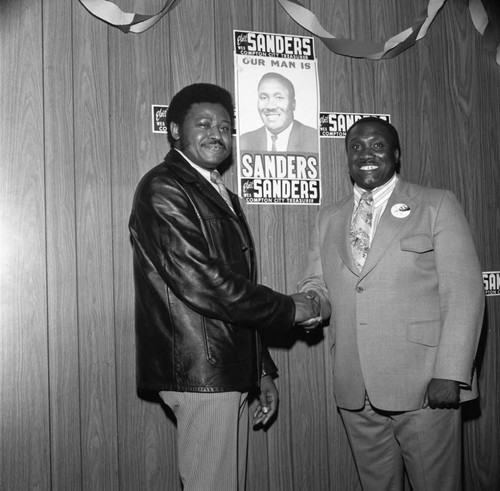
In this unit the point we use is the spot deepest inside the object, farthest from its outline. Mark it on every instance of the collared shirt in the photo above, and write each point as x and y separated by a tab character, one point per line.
381	197
281	141
204	172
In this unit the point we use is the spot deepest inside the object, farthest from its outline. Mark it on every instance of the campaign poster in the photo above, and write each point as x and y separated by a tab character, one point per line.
159	118
335	125
491	283
277	118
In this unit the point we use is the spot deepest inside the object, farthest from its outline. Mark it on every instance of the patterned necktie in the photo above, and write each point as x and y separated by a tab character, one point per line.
360	229
273	147
217	179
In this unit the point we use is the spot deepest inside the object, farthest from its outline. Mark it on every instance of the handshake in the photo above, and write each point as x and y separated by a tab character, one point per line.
307	310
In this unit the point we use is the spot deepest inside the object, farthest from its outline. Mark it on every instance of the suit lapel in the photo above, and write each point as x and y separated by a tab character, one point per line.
390	226
340	221
294	141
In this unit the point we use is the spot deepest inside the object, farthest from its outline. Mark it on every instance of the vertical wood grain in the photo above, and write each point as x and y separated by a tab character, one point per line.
24	402
192	44
94	246
362	76
61	247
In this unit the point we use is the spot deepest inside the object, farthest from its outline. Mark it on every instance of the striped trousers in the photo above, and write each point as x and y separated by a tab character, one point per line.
212	439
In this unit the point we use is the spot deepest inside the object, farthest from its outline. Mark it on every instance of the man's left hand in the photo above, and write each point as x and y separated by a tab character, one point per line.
268	401
443	394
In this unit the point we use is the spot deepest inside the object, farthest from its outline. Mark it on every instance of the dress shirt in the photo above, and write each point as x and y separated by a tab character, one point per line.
381	196
204	172
281	141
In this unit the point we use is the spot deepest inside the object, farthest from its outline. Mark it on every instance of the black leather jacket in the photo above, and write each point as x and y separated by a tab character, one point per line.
198	308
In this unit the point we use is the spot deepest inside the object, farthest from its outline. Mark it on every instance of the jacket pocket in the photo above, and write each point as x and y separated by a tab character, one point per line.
417	243
226	344
424	332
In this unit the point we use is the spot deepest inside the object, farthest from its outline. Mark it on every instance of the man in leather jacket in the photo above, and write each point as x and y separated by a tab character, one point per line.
199	310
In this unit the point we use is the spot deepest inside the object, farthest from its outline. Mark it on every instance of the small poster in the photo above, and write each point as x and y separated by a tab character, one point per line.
491	282
159	118
277	112
335	125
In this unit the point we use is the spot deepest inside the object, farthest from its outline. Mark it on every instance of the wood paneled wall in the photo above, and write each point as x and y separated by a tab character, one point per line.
75	137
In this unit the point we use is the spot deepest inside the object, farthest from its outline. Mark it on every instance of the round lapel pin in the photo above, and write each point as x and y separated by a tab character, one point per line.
400	210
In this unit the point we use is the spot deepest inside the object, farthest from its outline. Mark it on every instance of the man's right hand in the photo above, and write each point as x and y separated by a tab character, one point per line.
307	310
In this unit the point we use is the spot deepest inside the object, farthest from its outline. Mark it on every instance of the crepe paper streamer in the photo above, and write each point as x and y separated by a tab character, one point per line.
364	49
137	23
126	22
481	22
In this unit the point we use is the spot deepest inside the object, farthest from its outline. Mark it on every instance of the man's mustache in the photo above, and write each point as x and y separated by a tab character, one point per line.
217	141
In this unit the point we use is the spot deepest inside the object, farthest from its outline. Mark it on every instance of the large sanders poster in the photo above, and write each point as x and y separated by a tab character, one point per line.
277	111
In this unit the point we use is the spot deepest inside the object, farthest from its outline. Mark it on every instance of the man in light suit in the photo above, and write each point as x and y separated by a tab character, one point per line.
281	132
406	318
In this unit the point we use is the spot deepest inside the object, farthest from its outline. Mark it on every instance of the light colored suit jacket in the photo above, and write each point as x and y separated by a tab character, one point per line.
303	139
415	310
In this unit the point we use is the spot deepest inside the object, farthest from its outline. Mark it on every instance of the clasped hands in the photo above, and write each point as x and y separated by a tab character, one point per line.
307	310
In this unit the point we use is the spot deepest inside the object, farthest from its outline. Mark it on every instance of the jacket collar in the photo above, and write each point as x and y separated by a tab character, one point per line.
182	168
187	173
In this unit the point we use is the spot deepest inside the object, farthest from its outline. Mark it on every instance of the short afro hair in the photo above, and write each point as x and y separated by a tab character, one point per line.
194	94
381	122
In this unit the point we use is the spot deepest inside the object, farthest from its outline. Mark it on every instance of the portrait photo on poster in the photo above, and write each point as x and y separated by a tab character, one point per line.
278	100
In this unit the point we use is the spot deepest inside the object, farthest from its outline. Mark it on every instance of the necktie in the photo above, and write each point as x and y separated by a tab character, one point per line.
360	229
217	179
273	147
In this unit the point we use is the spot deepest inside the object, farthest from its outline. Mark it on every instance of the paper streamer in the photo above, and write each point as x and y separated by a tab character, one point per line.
126	22
483	25
137	23
361	49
